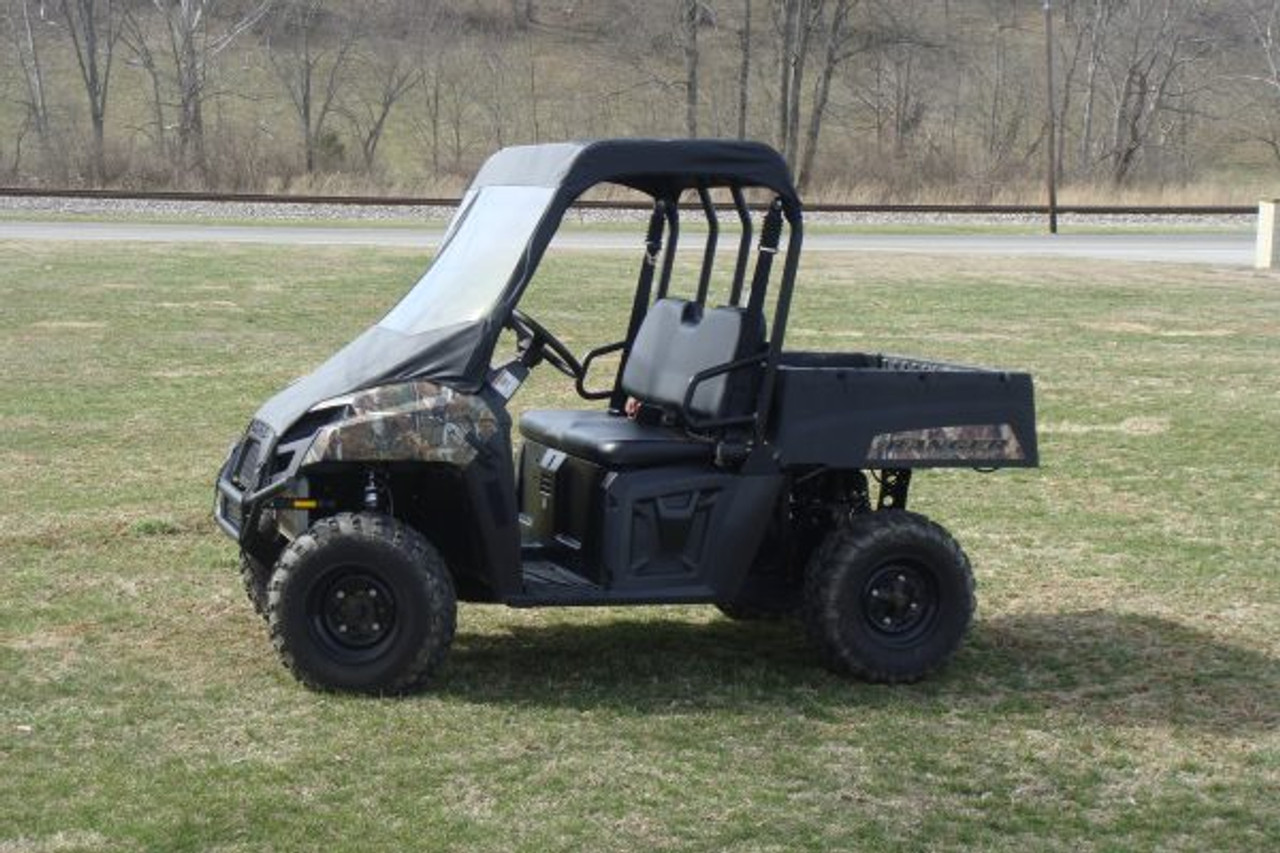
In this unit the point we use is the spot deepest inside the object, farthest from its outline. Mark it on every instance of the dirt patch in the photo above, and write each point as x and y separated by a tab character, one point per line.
1128	426
216	304
1196	333
1129	327
69	324
187	373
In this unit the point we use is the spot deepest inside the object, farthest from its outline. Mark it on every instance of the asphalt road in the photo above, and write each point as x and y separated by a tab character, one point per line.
1222	248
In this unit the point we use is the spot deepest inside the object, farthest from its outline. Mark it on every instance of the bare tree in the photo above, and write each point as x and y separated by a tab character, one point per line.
522	13
1003	97
889	88
498	99
94	27
310	66
193	44
27	50
785	15
907	93
135	37
444	119
1153	45
690	12
393	76
840	47
650	48
744	68
1094	26
1262	27
795	21
531	56
433	37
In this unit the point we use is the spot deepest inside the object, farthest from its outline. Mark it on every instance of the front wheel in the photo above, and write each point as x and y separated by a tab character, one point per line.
888	597
255	575
361	603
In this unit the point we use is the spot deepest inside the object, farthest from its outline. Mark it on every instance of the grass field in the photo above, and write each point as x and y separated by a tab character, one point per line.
1120	690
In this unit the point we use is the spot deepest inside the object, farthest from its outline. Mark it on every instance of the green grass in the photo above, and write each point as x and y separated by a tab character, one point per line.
1120	690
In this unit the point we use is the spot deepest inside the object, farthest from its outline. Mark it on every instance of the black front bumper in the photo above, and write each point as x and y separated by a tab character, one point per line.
240	491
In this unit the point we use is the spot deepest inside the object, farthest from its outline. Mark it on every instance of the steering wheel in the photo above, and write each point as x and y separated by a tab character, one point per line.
537	344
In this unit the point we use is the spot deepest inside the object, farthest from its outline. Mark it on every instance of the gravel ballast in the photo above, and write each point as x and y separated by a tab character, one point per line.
37	207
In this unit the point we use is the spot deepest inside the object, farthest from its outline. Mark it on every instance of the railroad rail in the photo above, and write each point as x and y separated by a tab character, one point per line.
412	201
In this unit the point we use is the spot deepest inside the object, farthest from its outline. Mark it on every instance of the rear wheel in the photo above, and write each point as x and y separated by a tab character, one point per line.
362	603
888	597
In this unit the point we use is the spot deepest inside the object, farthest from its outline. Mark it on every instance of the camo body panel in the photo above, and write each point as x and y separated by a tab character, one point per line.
408	421
974	443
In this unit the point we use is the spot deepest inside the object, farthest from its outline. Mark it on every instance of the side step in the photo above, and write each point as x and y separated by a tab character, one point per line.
548	584
550	578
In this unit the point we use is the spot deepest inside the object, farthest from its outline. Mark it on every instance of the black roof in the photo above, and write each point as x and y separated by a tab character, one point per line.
662	168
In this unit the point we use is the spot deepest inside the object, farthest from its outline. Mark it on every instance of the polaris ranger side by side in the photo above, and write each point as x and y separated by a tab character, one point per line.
709	465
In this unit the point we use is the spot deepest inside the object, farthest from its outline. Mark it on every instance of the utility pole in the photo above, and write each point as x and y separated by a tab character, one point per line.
1053	146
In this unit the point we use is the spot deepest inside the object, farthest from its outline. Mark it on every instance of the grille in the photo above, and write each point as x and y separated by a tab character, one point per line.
232	512
246	472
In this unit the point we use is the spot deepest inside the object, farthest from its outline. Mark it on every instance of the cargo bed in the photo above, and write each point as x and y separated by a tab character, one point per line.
870	410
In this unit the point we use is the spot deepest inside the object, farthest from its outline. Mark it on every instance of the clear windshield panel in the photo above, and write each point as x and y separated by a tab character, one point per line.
479	253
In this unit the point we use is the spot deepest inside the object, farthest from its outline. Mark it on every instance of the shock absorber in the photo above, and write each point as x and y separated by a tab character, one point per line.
372	491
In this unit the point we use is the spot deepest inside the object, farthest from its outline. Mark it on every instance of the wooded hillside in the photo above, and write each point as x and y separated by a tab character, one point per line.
868	99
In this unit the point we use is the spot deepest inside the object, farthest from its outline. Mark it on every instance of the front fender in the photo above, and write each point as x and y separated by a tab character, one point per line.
416	421
421	422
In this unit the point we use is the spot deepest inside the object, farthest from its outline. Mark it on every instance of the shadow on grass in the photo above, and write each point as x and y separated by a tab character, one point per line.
1124	669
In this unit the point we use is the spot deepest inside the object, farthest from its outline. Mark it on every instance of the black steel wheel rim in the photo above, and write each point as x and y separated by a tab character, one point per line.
353	614
900	601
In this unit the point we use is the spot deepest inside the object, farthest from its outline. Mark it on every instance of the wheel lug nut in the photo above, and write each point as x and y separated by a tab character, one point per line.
371	592
875	593
915	606
376	626
886	621
339	595
342	629
901	578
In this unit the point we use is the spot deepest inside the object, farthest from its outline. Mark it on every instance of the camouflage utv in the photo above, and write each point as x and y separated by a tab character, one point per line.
710	465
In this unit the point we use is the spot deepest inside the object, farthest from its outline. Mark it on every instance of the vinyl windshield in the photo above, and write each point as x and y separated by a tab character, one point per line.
477	257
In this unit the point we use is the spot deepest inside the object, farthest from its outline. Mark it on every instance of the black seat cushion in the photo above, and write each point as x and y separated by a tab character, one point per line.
677	340
613	441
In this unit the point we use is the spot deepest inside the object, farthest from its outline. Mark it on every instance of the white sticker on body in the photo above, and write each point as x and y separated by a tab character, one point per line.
505	383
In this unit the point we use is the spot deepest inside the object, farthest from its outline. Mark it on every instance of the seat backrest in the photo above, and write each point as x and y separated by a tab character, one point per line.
677	340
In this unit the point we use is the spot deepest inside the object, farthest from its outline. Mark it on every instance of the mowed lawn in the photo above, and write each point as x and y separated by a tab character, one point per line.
1120	689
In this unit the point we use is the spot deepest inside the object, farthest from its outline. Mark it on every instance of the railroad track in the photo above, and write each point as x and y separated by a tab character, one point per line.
412	201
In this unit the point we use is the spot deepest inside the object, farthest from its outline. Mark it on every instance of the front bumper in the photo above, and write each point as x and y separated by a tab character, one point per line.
240	491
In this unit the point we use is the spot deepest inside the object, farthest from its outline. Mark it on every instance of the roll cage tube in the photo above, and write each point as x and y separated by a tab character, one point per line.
672	212
781	311
639	307
744	244
709	251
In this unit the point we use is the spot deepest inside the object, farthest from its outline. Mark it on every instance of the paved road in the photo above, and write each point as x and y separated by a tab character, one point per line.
1224	248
